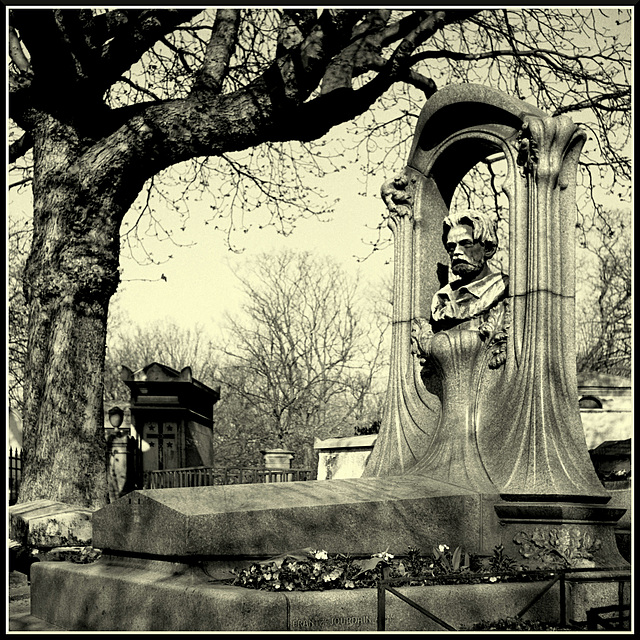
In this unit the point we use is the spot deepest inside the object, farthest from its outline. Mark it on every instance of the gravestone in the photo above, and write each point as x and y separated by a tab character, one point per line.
497	403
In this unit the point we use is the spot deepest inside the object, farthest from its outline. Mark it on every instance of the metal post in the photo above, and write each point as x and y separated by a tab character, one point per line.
382	614
621	604
592	620
563	600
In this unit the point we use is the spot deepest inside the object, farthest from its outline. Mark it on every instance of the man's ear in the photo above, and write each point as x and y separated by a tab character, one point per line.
490	251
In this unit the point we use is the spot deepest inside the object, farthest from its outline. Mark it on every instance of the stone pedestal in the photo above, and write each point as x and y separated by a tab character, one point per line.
164	546
277	459
121	454
125	595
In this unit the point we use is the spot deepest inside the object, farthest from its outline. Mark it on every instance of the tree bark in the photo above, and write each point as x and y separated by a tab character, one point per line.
71	274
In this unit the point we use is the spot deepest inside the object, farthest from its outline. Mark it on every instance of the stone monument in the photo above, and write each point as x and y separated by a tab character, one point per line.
481	442
172	413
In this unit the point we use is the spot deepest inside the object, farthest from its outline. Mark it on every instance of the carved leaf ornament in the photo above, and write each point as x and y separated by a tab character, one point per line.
558	547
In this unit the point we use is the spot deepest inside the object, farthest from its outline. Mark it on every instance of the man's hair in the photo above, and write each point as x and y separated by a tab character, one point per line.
484	228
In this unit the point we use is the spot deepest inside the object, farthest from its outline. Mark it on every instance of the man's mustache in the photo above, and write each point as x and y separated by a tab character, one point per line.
460	261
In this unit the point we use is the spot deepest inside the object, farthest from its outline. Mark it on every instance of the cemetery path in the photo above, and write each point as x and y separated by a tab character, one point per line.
20	618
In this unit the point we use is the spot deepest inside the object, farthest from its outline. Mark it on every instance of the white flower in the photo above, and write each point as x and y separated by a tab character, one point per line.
384	555
493	579
349	584
442	548
320	555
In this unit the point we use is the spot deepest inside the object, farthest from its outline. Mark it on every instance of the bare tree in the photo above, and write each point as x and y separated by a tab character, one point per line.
304	355
104	101
163	341
241	428
18	242
604	314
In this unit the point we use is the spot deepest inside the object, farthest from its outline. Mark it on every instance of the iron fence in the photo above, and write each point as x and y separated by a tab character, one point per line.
210	476
15	473
595	617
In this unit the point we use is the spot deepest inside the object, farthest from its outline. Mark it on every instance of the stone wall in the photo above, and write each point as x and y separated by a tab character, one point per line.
343	457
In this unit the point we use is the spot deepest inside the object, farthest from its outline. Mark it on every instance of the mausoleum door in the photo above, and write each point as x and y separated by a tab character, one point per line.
161	437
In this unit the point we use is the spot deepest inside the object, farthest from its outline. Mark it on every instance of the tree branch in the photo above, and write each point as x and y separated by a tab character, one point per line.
359	55
219	51
596	103
138	34
16	52
19	147
141	89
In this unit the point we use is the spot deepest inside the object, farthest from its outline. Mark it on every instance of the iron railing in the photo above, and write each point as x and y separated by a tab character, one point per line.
210	476
15	473
595	616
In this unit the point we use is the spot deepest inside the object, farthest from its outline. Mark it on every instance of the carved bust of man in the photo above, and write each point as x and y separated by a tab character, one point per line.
470	238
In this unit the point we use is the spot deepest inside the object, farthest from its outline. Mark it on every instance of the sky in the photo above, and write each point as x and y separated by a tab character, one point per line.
198	286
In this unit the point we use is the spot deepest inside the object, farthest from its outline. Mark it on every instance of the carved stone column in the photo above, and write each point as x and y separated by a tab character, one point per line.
494	409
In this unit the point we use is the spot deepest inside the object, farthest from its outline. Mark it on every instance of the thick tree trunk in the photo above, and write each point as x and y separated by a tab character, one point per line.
71	274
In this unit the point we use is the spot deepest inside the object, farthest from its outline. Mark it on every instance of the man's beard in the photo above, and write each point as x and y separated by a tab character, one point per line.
462	268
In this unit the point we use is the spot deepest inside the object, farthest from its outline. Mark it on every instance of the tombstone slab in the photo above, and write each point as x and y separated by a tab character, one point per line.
47	524
341	516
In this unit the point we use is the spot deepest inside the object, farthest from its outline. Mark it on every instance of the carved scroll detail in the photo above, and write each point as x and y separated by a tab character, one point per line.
542	143
398	195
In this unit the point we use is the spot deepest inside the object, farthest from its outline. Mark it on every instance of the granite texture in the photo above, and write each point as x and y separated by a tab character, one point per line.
120	597
359	517
123	596
507	424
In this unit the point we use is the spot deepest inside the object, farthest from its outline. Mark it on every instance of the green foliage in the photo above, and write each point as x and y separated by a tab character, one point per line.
447	562
367	429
